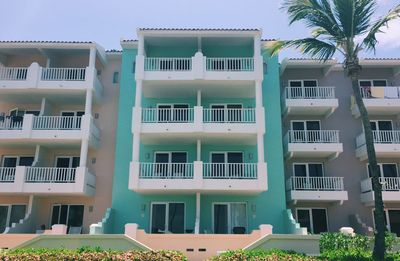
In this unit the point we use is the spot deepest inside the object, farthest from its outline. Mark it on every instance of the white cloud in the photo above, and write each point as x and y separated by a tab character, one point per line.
391	36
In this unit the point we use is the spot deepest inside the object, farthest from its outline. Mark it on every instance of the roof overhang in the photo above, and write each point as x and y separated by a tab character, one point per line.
293	63
176	32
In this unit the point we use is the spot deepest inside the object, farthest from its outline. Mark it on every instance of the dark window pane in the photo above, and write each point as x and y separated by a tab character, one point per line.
300	170
319	221
380	83
365	83
63	162
394	220
303	217
63	214
310	83
55	214
298	125
220	219
158	218
295	83
235	157
176	218
385	125
17	213
313	125
3	218
374	125
75	162
10	162
75	215
315	170
26	161
389	170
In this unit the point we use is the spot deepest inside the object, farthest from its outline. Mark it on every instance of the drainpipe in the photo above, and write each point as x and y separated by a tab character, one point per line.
197	223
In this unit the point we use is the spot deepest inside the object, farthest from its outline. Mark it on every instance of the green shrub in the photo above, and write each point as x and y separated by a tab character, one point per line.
88	254
262	255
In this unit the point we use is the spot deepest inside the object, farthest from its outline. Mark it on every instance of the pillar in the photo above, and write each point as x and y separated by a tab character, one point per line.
197	223
258	94
88	102
260	147
92	57
198	97
136	116
84	153
198	150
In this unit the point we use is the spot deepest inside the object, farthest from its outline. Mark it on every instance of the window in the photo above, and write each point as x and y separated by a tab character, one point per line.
381	125
314	219
167	217
305	131
303	83
11	214
173	112
72	119
70	215
170	164
67	162
392	220
226	164
116	77
226	112
372	83
308	169
386	170
230	218
13	161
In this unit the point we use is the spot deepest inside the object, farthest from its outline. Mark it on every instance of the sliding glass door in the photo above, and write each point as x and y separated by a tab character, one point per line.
167	217
230	218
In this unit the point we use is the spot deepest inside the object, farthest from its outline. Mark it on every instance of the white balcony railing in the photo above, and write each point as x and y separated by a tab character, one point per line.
7	174
50	175
388	92
383	136
155	115
313	136
230	170
230	64
310	92
388	184
166	171
167	64
11	122
316	183
63	74
57	122
229	115
13	73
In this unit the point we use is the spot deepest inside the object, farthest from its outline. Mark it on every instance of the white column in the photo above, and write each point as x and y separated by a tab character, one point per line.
260	147
257	45
136	118
198	97
141	45
84	153
88	102
92	57
198	150
138	94
197	223
258	94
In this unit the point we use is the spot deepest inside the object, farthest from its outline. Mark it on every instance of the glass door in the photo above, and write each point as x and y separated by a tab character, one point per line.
235	164
70	215
178	160
218	165
234	112
220	218
164	113
161	167
315	220
180	113
167	218
218	113
230	218
299	131
3	217
312	129
394	221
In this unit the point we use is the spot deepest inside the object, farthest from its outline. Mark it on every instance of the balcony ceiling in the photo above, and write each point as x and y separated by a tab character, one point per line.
192	40
41	51
35	96
226	89
206	139
31	144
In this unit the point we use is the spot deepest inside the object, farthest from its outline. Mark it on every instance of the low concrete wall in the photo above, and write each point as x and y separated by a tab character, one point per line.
13	240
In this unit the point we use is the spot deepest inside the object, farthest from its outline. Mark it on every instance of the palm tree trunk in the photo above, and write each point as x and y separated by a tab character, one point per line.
379	246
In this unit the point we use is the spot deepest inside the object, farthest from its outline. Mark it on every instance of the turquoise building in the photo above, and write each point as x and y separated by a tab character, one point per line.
198	147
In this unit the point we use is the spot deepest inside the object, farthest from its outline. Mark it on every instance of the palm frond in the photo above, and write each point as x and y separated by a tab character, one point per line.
370	40
311	46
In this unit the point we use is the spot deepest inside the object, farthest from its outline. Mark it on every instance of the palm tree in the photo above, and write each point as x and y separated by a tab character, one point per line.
347	27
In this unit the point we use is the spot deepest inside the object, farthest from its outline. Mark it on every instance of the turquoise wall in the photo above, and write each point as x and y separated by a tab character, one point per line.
264	208
192	101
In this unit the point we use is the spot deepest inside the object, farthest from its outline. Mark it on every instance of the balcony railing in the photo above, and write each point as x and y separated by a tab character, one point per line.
63	74
388	184
310	92
230	64
167	64
7	174
316	183
388	92
383	136
166	171
155	115
11	122
230	170
229	115
57	122
50	175
313	136
13	73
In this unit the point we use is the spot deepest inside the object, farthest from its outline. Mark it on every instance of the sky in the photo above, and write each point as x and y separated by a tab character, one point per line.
106	22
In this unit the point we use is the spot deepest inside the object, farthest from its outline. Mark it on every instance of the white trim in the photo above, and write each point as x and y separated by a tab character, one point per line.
311	219
166	203
302	82
228	203
307	168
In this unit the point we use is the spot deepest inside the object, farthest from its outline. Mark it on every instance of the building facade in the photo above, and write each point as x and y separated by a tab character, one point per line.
190	131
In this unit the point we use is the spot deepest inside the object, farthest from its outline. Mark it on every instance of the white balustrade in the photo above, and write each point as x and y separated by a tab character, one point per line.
388	184
316	183
63	74
388	92
11	122
7	174
238	64
310	92
230	170
166	171
13	73
57	122
386	136
313	136
247	115
167	64
175	115
50	175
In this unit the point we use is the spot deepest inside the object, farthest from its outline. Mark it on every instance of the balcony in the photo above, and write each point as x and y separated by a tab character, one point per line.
379	101
47	181
48	79
312	144
247	178
387	144
315	189
48	128
390	190
199	120
198	67
314	101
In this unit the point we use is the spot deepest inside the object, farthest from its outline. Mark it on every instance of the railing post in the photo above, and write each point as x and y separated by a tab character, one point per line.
33	75
19	179
27	125
198	174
